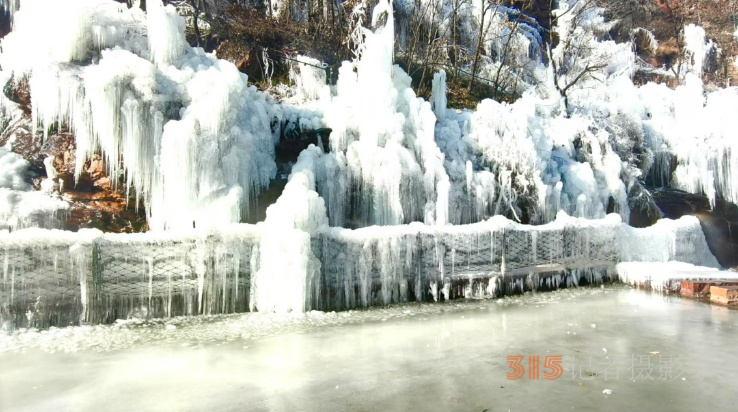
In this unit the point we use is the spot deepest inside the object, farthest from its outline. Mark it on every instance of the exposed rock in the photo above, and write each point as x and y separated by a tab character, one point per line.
296	140
717	222
291	143
270	196
95	202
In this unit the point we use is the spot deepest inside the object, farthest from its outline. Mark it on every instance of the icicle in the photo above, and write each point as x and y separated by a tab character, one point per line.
253	269
165	32
492	286
469	288
6	263
150	262
310	80
446	291
200	287
442	204
438	99
434	290
169	294
453	262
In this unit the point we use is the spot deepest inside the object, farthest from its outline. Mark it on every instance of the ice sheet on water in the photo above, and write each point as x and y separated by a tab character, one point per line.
199	330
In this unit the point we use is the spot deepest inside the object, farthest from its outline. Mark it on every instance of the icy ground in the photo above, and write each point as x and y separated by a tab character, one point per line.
404	357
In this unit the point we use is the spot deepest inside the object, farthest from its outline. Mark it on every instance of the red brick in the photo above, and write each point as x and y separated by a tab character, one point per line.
693	288
725	295
700	288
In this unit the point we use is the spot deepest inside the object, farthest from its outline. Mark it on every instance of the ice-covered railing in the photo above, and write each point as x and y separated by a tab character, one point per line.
382	265
61	278
53	277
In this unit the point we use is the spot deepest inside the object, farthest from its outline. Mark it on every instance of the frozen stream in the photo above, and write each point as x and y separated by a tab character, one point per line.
410	357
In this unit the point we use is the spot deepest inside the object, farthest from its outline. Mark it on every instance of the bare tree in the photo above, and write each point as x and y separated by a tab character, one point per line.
480	38
506	64
197	5
577	57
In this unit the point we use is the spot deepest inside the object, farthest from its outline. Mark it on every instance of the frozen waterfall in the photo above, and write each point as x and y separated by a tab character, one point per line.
409	199
192	139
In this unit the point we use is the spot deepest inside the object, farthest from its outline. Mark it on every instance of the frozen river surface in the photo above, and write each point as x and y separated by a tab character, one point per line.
622	349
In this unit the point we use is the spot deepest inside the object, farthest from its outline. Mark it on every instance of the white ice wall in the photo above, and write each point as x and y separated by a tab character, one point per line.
182	128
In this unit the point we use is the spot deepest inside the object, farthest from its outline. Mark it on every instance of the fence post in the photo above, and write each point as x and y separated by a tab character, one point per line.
81	254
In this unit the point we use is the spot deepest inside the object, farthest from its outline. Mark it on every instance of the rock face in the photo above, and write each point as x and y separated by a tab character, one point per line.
95	201
720	223
292	143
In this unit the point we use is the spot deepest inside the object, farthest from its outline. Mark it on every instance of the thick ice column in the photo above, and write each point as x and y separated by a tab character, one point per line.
442	200
288	267
166	33
438	97
82	268
374	72
310	78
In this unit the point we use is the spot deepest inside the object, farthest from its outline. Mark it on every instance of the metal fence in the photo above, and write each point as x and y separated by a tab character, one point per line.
56	278
417	263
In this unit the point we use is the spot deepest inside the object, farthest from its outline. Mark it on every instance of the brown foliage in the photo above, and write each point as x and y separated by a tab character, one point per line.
245	32
717	17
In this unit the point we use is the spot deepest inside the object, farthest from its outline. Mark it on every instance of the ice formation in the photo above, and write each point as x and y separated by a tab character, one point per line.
153	102
583	157
426	187
696	48
583	153
295	262
289	273
667	276
20	205
382	149
191	138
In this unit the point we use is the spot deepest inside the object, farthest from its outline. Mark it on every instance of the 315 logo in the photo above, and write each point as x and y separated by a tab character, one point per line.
534	368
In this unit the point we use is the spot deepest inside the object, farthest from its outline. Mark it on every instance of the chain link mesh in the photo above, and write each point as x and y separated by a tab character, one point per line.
73	279
104	280
40	285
